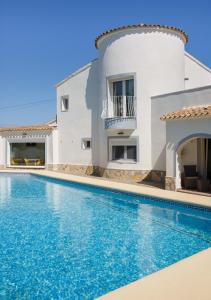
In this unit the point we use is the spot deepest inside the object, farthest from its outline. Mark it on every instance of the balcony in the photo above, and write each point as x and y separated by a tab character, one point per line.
119	112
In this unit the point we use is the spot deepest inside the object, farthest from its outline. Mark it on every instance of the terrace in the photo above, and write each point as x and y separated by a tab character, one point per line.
27	154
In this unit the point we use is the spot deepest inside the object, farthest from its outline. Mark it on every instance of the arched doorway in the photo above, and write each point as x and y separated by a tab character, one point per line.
193	163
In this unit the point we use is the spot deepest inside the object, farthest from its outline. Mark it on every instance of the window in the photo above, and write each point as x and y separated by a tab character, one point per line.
118	152
122	97
131	152
123	150
86	143
64	103
123	88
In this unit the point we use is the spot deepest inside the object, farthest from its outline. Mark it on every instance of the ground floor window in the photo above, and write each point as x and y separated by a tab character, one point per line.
86	143
27	154
124	150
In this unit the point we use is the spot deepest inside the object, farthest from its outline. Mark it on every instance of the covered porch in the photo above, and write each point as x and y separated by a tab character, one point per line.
32	146
188	149
194	164
27	154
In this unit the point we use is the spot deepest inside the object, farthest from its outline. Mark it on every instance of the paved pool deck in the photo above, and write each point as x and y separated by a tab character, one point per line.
188	279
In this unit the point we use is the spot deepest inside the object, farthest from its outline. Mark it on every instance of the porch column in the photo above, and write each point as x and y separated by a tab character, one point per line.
201	159
171	163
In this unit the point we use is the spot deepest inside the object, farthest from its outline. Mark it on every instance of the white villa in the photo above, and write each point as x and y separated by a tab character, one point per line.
140	111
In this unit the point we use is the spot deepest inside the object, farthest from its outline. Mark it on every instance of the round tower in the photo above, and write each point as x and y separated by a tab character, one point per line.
154	52
152	56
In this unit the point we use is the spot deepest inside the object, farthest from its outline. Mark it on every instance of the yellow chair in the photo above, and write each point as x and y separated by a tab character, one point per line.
14	162
17	161
27	163
40	162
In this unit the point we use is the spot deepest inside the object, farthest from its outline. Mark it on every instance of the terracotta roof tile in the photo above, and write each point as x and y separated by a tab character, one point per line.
147	26
28	128
189	113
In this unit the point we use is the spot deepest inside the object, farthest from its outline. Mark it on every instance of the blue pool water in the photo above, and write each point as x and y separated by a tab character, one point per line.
61	240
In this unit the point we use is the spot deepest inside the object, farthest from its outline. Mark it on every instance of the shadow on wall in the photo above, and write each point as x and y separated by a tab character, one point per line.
161	158
92	102
156	177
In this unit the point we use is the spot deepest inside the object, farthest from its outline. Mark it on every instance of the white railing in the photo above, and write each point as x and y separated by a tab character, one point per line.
119	106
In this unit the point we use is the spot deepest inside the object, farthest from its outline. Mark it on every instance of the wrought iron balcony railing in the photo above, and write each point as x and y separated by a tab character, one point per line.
119	107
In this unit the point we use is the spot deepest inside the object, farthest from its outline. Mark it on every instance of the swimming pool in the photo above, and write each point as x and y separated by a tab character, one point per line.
62	240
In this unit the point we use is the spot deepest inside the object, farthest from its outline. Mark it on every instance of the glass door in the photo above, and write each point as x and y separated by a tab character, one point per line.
118	98
209	159
129	92
123	98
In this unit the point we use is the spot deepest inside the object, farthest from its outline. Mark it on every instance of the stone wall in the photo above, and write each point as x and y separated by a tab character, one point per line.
132	175
51	167
123	175
170	183
74	169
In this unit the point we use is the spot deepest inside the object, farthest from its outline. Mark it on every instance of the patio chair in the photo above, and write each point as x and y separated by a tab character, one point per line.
17	161
190	177
27	161
40	162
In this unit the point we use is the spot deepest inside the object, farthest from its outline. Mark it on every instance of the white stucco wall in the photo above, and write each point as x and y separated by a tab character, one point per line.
55	147
80	121
156	60
2	151
196	73
169	103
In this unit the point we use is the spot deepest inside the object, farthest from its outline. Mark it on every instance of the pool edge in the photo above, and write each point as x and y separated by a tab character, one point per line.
188	278
190	199
178	197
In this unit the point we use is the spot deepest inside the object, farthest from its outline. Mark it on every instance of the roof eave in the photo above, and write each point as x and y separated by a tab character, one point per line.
143	26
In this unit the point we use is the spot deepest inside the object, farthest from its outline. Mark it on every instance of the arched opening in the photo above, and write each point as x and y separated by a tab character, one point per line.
193	163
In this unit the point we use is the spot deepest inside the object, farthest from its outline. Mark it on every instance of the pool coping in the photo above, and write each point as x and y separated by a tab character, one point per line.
187	279
177	197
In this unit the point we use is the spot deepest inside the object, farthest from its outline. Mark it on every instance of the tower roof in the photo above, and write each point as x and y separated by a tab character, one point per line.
144	26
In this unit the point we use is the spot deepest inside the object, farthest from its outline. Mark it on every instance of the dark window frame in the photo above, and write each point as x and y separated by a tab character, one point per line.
125	153
64	103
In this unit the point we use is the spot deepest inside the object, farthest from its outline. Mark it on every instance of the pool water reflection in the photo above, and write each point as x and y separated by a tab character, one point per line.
61	240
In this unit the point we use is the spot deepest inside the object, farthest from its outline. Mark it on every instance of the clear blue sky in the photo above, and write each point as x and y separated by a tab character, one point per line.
42	41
